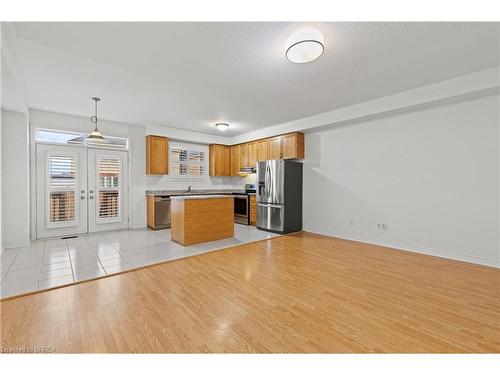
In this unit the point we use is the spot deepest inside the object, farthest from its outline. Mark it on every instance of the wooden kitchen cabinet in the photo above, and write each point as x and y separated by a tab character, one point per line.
253	210
274	148
262	146
244	155
156	155
219	160
252	154
292	146
235	160
287	146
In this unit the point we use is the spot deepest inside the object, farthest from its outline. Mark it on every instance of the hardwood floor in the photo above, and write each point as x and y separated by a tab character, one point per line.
297	293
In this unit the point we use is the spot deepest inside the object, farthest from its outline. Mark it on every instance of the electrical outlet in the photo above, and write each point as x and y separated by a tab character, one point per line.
382	226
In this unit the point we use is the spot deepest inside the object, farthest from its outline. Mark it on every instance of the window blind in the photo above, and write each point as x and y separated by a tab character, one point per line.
187	162
62	185
109	188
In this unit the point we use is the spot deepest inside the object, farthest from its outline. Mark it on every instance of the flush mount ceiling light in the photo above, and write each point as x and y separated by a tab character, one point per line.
222	126
95	135
304	46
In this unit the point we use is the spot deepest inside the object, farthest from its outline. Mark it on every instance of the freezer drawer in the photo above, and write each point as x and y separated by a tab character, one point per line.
271	217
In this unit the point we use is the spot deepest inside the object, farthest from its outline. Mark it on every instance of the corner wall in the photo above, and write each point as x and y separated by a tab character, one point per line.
432	176
15	179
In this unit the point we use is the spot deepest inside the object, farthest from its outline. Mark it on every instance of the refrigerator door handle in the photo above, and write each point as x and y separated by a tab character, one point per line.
268	180
268	205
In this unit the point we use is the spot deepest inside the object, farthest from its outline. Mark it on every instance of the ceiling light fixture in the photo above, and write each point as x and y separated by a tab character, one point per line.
95	135
222	126
305	46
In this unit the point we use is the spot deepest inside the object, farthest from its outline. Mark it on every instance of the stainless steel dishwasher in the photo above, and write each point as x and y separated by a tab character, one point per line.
162	212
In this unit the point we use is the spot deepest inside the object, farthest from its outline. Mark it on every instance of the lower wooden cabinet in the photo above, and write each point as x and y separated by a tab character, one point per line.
253	210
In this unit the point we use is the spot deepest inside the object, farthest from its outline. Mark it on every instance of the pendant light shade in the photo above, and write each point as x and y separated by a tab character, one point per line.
95	135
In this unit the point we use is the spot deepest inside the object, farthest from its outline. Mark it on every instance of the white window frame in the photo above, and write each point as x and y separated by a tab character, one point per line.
189	147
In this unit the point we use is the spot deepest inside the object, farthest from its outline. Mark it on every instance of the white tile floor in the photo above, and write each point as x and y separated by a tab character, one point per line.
56	262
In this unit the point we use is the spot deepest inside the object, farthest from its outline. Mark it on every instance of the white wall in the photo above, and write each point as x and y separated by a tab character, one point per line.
15	179
431	175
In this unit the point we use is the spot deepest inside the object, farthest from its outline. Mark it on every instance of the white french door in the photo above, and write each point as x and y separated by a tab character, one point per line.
61	202
107	179
80	190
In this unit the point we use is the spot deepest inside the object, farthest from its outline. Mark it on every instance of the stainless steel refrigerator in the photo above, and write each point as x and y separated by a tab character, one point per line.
279	196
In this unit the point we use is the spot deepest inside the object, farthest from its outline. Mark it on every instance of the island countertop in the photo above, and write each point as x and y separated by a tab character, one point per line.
216	196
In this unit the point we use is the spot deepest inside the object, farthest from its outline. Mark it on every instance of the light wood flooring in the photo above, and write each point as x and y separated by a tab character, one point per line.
296	293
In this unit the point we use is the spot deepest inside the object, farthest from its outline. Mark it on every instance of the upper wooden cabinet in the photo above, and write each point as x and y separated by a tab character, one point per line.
156	155
235	160
287	146
252	154
244	155
219	160
292	146
274	148
228	160
262	146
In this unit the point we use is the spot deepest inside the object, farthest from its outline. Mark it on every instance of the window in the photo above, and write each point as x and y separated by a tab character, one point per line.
62	185
188	160
109	188
72	138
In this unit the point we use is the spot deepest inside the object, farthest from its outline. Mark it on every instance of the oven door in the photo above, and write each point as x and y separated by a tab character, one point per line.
241	215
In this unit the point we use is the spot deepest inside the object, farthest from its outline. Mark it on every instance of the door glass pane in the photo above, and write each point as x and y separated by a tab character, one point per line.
108	204
62	206
109	188
62	171
62	185
109	172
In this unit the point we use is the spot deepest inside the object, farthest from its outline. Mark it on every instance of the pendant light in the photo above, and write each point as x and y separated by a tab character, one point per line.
96	134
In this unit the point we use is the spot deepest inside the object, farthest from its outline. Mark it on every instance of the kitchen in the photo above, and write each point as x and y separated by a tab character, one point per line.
253	162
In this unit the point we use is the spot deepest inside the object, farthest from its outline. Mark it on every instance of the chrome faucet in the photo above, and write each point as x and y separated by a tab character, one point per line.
189	189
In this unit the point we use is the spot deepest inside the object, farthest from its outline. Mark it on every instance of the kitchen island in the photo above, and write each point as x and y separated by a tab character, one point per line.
201	218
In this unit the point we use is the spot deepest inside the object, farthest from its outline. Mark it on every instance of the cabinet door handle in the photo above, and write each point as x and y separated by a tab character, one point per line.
91	197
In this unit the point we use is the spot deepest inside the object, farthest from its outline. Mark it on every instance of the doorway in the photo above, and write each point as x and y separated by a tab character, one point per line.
80	190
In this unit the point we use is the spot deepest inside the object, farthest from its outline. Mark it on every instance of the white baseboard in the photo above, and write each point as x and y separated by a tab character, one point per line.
414	248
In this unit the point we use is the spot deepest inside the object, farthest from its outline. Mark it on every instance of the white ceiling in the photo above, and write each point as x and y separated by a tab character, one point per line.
191	75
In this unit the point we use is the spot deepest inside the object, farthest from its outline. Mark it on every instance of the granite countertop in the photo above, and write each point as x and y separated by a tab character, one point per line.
206	196
193	192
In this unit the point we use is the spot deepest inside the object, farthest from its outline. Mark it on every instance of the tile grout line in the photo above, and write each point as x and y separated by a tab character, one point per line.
13	260
40	266
70	262
97	256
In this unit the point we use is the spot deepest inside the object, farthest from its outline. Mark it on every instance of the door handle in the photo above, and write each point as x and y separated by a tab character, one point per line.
91	197
82	198
268	205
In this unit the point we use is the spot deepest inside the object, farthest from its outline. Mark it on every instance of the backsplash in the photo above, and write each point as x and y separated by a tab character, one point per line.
174	183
